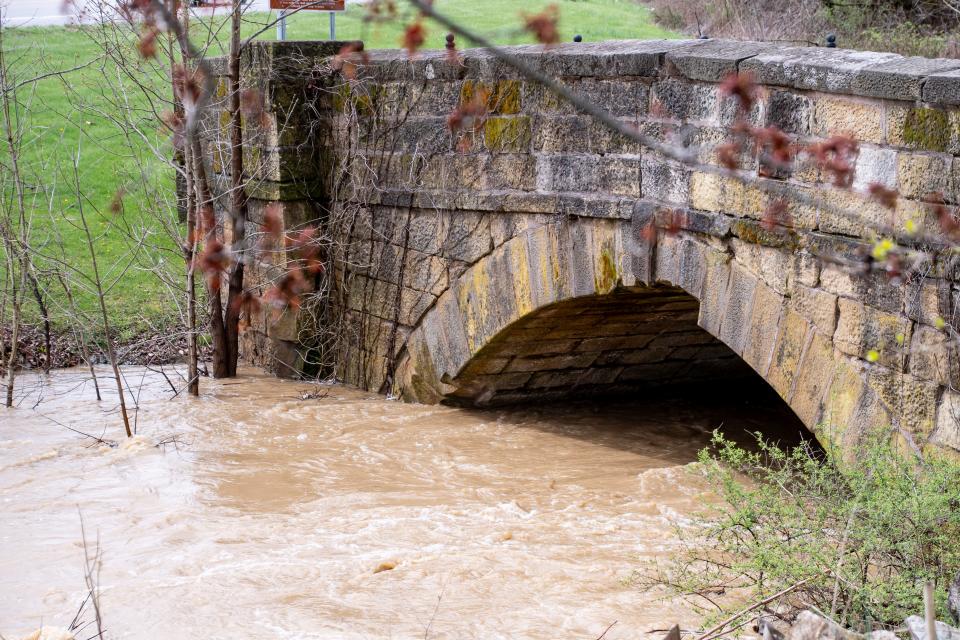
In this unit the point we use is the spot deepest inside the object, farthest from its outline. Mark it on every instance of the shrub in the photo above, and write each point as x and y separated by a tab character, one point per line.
910	27
860	538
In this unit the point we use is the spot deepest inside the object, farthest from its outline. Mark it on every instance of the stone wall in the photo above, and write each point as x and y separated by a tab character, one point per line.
509	261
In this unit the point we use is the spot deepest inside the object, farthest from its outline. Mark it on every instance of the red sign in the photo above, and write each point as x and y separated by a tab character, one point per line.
309	5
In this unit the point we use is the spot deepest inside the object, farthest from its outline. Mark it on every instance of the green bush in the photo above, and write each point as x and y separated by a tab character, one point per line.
864	535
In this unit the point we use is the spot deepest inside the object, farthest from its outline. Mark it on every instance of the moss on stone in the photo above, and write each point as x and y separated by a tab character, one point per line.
505	99
365	102
926	128
754	233
501	98
606	272
507	134
472	90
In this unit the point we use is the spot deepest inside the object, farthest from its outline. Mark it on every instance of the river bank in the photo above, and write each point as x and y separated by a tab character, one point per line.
160	345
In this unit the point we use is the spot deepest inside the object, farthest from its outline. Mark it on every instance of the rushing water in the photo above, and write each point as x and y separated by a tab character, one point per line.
270	515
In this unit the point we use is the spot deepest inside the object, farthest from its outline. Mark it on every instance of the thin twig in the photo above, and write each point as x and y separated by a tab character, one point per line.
609	626
711	632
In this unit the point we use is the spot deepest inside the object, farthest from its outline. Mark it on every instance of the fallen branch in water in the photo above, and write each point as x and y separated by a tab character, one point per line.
610	626
110	443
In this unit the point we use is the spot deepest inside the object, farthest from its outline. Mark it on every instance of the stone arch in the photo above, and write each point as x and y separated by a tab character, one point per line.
787	340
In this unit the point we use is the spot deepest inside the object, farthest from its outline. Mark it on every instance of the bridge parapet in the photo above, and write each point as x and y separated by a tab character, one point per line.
464	253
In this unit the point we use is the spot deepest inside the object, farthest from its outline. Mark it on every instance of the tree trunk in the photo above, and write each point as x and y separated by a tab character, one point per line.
190	242
238	197
101	298
217	331
16	246
189	251
38	295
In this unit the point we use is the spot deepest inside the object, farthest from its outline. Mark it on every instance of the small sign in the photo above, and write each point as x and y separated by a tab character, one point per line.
309	5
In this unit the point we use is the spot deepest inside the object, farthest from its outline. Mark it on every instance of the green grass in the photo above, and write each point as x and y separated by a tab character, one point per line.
500	20
62	116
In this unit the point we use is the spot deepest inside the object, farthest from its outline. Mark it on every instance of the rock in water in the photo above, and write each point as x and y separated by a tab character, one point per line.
385	566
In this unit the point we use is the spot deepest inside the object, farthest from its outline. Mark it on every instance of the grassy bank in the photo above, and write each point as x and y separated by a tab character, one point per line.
63	116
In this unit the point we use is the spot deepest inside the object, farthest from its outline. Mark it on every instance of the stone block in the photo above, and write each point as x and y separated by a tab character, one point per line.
664	181
445	332
852	214
616	343
561	134
933	357
539	100
568	173
723	194
872	335
603	140
735	326
503	97
814	377
764	321
921	174
588	378
861	120
602	59
875	165
667	258
483	364
842	401
508	171
787	353
620	176
790	112
819	69
772	265
714	298
900	78
922	128
552	363
943	88
507	134
692	268
485	310
806	269
548	268
680	100
817	306
712	60
283	326
913	401
927	301
622	98
639	356
466	236
947	433
643	246
577	246
514	256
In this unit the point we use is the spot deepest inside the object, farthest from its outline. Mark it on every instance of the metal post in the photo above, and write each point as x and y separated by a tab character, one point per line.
333	26
282	26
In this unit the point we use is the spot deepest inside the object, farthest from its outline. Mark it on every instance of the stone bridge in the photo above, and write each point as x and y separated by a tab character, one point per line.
512	260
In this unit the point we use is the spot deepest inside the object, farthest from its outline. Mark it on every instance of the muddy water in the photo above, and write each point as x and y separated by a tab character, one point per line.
272	513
